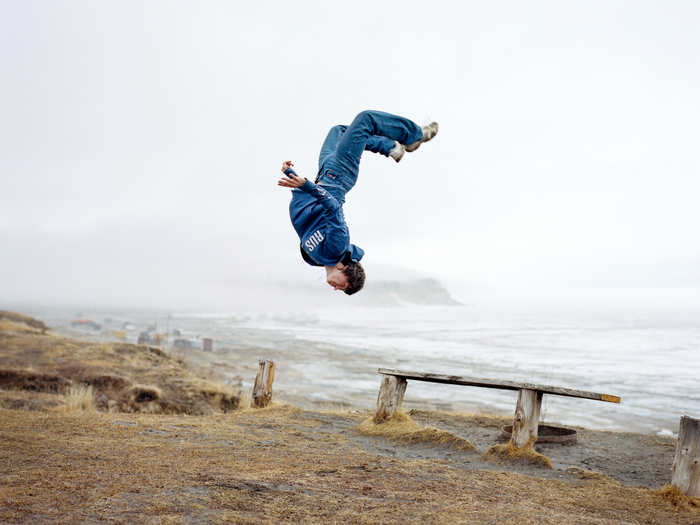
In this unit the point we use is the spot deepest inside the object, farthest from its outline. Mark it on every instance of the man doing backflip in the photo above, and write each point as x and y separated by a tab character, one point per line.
316	209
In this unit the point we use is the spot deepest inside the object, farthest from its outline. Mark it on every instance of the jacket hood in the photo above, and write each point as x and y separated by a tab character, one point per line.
356	253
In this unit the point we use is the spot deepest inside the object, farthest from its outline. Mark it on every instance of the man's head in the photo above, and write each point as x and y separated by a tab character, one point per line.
348	277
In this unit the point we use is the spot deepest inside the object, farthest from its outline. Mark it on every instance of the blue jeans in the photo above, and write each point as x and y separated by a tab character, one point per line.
376	131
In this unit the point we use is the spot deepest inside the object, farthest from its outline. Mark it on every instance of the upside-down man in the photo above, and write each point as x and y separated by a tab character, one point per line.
316	209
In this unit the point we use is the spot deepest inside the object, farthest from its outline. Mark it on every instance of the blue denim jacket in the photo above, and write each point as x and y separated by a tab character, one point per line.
318	219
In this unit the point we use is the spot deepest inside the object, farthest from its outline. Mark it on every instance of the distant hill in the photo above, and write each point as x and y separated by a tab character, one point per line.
426	291
416	291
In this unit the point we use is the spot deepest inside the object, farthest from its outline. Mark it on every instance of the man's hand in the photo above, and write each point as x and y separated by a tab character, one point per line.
291	180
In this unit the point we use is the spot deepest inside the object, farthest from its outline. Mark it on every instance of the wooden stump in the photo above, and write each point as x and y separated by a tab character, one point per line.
686	464
390	397
526	418
262	389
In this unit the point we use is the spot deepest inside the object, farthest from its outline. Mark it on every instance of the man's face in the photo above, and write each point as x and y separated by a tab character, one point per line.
337	279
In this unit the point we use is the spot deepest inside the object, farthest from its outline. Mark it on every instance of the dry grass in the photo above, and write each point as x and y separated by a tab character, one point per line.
81	398
674	495
30	380
273	465
114	370
12	326
510	452
21	322
29	400
402	429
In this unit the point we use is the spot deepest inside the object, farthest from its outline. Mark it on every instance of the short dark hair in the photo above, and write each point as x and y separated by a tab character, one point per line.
356	277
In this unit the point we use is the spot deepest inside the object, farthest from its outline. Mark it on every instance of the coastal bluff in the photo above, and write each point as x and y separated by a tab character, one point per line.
38	369
381	293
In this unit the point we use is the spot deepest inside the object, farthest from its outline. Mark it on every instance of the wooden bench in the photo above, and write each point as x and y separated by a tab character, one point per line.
527	409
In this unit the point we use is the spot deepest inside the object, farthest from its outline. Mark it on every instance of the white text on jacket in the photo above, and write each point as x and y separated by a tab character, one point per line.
314	240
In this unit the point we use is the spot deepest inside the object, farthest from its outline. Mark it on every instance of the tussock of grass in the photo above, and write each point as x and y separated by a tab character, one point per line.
509	452
274	409
81	398
402	429
673	494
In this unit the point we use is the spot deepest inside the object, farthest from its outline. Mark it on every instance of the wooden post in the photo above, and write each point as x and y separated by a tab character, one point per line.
390	397
526	418
686	464
262	389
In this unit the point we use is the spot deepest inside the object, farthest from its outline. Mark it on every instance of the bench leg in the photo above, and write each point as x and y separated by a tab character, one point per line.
262	389
390	397
686	464
526	418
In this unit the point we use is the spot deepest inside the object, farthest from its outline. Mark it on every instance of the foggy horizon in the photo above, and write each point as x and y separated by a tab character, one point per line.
142	144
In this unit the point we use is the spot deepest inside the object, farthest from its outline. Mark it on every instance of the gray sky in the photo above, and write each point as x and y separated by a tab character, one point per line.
141	142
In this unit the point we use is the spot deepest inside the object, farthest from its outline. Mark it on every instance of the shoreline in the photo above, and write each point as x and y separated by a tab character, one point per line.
324	358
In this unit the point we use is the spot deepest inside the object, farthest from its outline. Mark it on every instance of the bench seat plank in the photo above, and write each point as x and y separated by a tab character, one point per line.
505	385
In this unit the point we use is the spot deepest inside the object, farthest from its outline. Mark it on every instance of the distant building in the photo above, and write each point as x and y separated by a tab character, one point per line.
185	344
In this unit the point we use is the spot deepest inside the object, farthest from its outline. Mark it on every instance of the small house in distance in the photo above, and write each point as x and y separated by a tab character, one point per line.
185	344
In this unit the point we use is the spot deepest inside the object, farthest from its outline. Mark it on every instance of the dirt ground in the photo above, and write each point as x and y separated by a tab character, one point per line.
633	459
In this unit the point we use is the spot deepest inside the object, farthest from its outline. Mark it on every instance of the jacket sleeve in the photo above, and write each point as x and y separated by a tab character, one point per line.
324	198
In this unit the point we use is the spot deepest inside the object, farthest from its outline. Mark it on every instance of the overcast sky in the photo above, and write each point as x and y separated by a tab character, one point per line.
140	143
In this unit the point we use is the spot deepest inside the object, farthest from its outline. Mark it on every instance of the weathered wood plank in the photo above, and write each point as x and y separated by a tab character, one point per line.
686	464
390	397
262	389
526	418
505	385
